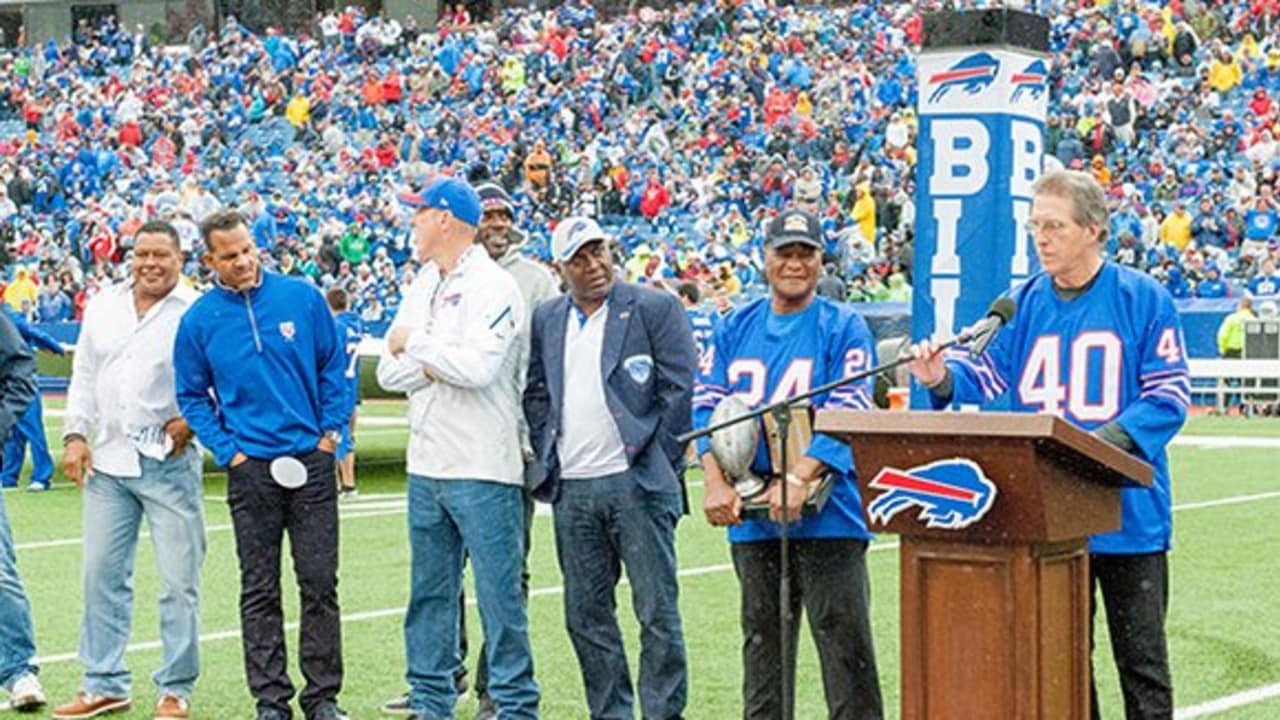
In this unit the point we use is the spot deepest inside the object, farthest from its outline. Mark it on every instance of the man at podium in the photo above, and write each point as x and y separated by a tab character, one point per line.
769	350
1100	345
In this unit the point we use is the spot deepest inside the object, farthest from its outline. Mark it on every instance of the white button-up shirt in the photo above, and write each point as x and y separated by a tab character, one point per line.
590	445
463	420
122	383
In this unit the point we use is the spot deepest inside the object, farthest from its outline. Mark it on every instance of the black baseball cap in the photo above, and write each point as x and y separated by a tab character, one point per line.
794	226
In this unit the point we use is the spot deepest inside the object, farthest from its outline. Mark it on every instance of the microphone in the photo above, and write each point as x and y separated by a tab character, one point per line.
981	335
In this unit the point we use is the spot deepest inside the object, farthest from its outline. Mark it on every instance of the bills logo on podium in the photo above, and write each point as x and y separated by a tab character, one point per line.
951	494
973	74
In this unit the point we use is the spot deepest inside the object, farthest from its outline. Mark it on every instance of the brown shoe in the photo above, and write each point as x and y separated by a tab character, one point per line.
172	707
87	705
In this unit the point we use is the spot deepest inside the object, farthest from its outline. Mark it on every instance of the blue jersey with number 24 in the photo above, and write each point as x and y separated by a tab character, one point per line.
1114	353
765	357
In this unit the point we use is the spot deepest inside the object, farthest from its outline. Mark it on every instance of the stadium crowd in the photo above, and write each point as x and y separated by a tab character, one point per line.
682	130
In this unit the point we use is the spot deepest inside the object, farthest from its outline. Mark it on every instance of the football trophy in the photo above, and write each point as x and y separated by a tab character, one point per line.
734	448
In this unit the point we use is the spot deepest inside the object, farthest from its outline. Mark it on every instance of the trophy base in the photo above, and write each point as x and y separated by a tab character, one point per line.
750	487
819	493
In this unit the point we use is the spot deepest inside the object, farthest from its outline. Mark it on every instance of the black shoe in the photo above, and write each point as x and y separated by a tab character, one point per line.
460	683
485	709
271	714
396	706
329	711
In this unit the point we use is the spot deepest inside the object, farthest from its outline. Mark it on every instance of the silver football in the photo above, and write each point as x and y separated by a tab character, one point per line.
734	447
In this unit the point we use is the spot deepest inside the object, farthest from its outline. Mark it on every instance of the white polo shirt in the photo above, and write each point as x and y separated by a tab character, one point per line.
589	445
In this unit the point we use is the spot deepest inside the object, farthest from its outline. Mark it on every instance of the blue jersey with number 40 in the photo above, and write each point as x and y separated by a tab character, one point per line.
1114	353
766	357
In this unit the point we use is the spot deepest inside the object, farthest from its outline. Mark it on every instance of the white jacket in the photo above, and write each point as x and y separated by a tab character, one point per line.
460	369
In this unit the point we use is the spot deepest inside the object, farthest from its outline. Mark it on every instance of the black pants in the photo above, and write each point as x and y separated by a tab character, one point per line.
1135	591
829	581
261	511
482	668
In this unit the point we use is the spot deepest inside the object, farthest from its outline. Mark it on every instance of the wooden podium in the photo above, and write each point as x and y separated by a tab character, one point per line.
995	608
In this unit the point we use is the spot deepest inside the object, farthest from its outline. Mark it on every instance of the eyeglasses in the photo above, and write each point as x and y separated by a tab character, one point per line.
1047	227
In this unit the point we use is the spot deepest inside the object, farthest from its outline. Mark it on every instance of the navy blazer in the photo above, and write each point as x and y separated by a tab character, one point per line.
648	363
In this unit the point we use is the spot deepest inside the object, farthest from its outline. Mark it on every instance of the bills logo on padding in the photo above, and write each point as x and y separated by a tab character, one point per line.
951	494
1031	81
973	74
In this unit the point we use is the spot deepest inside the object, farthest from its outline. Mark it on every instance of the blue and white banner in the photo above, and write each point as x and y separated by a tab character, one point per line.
980	149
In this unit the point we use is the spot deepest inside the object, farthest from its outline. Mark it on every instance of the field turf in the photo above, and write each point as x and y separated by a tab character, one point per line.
1224	622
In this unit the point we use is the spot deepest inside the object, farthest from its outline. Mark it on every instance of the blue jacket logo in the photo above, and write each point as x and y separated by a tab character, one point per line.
1031	82
972	74
288	330
639	367
951	494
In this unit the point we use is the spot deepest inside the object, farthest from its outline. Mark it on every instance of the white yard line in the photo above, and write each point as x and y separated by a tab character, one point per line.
343	514
1237	500
1229	702
1225	442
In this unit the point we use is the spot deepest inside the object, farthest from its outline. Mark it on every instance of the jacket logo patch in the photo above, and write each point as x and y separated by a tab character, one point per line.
287	330
639	367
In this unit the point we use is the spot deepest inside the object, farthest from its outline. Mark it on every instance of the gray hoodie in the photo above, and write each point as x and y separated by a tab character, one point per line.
537	285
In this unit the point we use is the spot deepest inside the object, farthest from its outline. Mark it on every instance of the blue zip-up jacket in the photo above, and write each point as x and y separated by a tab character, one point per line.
273	361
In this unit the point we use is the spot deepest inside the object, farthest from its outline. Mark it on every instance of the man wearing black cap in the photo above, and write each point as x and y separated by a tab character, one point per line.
769	350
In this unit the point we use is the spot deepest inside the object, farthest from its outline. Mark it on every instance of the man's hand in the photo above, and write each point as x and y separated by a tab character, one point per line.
326	445
720	502
180	431
797	494
927	365
397	339
77	460
238	460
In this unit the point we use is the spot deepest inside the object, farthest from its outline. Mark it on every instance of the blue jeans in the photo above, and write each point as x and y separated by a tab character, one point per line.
17	639
30	429
484	519
601	525
170	494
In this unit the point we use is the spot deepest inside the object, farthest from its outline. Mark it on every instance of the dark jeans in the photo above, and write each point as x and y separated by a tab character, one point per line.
261	511
601	525
829	581
1135	591
482	668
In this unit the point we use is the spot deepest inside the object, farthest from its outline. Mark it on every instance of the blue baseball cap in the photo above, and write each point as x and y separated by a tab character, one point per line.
450	194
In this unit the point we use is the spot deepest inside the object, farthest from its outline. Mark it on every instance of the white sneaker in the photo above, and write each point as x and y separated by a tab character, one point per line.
26	694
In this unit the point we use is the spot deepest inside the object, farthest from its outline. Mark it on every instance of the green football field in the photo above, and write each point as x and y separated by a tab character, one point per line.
1224	622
